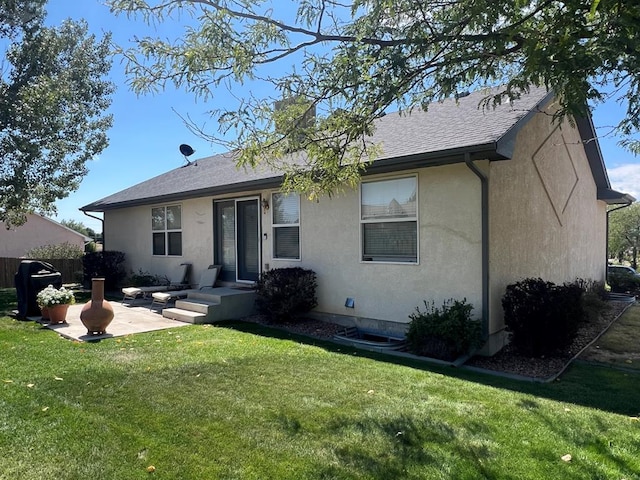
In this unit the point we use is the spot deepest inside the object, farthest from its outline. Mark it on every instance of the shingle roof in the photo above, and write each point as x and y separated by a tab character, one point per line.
452	124
206	176
446	129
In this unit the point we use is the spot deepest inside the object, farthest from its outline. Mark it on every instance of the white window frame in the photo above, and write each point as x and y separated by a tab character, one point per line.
275	226
166	231
363	258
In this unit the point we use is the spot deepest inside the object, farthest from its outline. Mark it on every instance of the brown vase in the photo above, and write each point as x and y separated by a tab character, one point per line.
45	313
58	314
97	313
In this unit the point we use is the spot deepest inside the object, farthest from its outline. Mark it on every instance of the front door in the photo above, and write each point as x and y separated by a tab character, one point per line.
237	239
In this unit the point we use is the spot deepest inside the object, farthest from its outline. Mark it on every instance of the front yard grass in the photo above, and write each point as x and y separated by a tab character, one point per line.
241	401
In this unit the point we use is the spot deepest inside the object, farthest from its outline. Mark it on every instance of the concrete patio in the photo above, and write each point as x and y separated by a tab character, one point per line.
126	321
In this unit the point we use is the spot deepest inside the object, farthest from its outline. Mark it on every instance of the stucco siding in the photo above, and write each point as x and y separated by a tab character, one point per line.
545	219
129	230
449	246
449	250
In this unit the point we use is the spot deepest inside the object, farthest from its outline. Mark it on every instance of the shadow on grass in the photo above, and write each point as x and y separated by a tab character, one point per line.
400	444
591	386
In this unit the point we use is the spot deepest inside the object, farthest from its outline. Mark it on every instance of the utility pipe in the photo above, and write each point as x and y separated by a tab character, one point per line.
484	185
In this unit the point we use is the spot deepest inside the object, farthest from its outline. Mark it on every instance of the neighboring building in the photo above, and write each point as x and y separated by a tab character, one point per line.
38	231
461	202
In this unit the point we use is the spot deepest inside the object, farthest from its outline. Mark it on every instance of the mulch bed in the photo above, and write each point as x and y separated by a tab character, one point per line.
508	360
302	326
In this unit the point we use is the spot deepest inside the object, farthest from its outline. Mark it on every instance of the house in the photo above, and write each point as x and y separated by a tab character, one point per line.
38	231
461	202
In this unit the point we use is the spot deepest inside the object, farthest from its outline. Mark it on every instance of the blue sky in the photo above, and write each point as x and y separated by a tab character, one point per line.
147	131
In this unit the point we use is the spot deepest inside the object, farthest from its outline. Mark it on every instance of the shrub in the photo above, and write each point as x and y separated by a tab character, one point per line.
50	252
624	283
107	265
444	333
593	299
284	293
146	279
542	316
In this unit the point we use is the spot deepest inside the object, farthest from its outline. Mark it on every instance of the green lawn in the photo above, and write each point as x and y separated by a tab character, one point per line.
620	347
241	401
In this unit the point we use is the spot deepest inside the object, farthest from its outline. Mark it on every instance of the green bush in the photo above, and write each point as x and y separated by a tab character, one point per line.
108	265
593	299
445	333
146	279
62	250
285	293
624	283
542	316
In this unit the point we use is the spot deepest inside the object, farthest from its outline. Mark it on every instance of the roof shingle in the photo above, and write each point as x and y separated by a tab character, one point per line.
446	125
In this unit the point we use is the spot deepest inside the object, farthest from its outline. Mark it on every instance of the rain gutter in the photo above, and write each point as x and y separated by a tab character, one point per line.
101	222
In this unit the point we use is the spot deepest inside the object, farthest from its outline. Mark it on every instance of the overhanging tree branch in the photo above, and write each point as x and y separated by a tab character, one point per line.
356	60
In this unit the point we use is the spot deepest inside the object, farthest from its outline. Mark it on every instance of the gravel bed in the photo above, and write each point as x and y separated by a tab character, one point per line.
505	361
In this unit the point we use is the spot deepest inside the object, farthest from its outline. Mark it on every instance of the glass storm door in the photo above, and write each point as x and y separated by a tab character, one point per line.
237	239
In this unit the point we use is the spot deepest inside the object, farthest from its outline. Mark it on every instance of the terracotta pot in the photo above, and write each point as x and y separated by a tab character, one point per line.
58	314
44	313
97	313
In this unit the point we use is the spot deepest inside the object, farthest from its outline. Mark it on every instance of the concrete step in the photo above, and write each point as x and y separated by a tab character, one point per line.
196	305
181	315
210	305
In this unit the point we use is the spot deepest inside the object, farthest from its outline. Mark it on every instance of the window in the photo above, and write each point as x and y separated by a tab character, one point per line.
286	226
166	226
389	220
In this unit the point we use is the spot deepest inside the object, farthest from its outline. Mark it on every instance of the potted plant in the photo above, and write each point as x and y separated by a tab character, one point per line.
56	303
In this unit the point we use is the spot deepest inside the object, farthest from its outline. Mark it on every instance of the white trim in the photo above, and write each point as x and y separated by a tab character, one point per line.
166	231
361	222
280	225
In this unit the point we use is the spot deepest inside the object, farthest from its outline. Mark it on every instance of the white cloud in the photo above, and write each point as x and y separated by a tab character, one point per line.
626	178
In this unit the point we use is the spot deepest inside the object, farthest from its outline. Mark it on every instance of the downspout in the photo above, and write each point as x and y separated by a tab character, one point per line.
484	184
102	222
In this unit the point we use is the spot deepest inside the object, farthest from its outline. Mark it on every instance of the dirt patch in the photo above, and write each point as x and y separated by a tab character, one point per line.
302	326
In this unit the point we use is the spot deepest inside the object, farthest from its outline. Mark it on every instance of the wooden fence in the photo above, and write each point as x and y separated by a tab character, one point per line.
68	267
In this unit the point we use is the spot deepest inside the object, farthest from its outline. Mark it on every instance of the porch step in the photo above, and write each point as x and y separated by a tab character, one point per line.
181	315
196	305
210	305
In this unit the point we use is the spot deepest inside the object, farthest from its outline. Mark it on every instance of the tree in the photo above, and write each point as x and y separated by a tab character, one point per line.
354	61
79	227
53	95
624	234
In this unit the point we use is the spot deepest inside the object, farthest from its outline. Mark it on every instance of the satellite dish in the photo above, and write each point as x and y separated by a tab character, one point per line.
186	150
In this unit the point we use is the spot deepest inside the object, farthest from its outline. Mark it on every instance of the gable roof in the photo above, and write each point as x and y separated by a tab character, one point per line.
443	134
47	223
